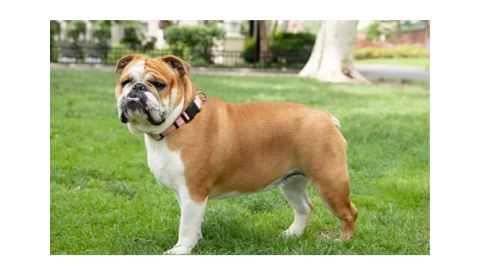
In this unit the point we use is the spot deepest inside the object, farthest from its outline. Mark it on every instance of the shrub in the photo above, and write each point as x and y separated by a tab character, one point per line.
133	34
75	30
248	53
149	45
119	50
116	52
157	52
402	51
101	32
193	42
291	48
372	31
384	27
54	33
73	46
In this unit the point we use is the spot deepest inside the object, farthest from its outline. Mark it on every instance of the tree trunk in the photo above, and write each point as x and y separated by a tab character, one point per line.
332	56
263	39
274	30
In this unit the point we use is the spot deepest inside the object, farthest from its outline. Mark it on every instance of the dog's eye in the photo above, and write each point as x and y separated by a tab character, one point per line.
158	85
125	82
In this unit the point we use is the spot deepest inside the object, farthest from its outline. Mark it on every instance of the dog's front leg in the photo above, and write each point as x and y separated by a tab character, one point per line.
191	219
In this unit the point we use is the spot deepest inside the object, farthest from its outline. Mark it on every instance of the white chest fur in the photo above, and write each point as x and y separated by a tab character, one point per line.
165	164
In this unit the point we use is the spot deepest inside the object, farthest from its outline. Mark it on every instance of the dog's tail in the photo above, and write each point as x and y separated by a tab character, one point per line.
335	121
337	124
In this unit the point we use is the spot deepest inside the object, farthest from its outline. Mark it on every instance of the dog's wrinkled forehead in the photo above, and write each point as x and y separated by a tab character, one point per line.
137	67
168	66
137	70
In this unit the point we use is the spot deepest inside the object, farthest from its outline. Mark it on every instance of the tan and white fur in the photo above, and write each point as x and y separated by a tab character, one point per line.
229	150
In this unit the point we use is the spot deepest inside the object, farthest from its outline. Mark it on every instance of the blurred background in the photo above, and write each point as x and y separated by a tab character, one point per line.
233	43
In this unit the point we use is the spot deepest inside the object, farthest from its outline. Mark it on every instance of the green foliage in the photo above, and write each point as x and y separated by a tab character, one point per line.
134	34
382	27
157	52
74	44
404	51
248	52
101	33
103	199
149	45
194	37
409	25
193	43
245	27
372	31
75	30
289	49
54	35
116	52
292	48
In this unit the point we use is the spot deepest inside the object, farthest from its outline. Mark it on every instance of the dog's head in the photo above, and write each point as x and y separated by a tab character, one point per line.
152	92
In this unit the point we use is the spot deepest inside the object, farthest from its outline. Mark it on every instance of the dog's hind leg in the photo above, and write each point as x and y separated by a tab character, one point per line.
335	189
325	163
295	191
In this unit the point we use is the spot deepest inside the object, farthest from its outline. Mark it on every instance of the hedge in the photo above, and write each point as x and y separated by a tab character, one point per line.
391	52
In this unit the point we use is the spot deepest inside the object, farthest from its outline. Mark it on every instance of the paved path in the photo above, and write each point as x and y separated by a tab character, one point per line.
393	73
370	71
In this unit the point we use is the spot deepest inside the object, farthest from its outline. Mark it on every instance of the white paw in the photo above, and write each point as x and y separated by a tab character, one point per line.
179	249
291	233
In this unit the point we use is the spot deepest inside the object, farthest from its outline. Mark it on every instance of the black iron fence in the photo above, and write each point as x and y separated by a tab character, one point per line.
110	55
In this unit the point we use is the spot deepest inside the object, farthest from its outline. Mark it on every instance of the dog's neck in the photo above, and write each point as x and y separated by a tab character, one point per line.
188	96
183	118
190	93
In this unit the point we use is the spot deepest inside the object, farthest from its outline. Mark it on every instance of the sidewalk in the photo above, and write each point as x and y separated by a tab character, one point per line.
373	72
393	73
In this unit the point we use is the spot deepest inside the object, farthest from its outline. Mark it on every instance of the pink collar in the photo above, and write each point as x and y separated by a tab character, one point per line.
185	117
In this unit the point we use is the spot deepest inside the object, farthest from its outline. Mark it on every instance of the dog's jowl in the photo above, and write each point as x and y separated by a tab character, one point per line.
203	148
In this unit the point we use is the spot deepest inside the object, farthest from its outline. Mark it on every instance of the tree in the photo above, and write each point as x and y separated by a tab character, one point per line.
54	37
196	41
101	33
332	55
387	28
258	42
76	30
263	35
133	34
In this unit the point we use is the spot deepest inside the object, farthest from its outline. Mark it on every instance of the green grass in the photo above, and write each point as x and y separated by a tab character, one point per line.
416	62
105	201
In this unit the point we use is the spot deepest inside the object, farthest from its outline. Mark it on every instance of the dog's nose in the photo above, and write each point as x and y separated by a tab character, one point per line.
138	91
139	87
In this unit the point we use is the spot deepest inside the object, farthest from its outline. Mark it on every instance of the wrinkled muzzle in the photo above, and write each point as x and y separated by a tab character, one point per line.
140	105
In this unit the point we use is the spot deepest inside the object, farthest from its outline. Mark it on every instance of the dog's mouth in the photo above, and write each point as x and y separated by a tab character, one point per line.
135	110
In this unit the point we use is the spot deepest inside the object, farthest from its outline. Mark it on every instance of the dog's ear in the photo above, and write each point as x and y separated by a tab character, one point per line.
123	62
180	66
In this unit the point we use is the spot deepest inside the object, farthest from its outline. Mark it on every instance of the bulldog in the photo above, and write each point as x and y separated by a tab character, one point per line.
205	148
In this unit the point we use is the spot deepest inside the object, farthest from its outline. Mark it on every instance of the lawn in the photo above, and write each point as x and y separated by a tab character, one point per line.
103	200
421	62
